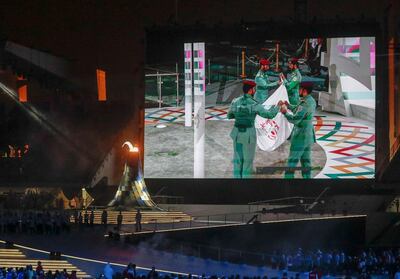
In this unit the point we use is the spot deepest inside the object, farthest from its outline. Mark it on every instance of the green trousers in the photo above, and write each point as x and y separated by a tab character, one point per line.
300	153
243	158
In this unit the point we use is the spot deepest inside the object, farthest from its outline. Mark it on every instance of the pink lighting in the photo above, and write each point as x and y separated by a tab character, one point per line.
372	57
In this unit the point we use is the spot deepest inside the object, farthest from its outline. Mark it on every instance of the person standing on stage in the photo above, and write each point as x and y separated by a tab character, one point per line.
262	82
91	218
119	220
303	135
138	219
86	218
76	215
292	82
244	110
104	216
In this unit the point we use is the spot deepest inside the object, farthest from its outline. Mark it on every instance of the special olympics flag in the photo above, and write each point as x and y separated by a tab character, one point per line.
271	133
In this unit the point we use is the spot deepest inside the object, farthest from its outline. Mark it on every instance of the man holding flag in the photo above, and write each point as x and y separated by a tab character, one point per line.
244	110
292	83
303	135
263	83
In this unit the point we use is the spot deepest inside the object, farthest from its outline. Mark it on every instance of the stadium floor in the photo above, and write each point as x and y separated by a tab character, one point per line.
345	146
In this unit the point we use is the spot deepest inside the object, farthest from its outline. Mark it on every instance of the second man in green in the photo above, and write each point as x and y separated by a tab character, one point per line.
244	110
303	134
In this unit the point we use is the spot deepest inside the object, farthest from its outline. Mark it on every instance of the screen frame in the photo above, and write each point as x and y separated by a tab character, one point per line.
256	188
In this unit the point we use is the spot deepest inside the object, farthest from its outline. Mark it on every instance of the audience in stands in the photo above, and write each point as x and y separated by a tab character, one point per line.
383	264
318	264
30	273
363	265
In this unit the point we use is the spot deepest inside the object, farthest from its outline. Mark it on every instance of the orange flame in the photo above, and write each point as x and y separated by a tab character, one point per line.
131	147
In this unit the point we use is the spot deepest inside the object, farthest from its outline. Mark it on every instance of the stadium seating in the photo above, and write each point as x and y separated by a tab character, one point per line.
12	258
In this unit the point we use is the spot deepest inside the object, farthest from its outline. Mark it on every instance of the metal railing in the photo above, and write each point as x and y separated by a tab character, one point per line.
218	220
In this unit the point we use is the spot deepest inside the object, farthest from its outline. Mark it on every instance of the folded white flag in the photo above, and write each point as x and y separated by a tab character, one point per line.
271	133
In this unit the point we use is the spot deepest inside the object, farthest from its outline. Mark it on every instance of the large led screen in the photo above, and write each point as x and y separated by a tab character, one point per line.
300	108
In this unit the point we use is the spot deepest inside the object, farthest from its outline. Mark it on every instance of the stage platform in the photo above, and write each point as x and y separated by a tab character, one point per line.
148	216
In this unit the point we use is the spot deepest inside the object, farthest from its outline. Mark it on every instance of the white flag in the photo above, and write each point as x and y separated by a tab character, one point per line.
271	133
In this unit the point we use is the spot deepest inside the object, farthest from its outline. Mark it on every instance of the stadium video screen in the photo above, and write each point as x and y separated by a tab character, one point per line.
300	108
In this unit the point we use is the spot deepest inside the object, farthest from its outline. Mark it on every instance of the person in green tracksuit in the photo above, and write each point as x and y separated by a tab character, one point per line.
292	82
303	134
244	110
263	83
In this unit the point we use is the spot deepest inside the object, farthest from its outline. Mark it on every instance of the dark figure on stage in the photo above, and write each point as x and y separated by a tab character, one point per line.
104	218
138	219
91	218
119	220
86	218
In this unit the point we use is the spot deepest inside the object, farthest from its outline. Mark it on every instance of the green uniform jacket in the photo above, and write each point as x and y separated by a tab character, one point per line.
244	110
263	85
303	114
292	84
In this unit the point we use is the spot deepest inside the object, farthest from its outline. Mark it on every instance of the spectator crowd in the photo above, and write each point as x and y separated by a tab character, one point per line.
366	263
35	273
312	265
